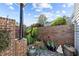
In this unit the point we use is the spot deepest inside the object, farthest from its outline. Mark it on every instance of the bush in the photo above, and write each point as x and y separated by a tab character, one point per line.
4	39
51	45
35	32
30	40
59	21
32	36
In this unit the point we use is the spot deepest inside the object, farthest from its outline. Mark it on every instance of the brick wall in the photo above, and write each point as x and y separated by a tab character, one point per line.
60	34
20	47
9	25
16	48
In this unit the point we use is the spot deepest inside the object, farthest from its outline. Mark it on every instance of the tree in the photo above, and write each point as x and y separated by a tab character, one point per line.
68	19
59	21
42	19
37	25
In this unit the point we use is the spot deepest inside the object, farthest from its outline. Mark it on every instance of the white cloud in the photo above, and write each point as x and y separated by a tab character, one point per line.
42	5
64	5
36	16
38	7
29	14
45	5
38	10
12	8
70	4
58	12
58	15
49	15
63	11
34	5
10	5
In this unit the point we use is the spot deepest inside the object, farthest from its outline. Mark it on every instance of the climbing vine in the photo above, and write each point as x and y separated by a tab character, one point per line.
4	39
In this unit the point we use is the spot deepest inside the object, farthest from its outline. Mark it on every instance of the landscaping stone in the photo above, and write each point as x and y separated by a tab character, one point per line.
59	50
42	52
46	53
68	50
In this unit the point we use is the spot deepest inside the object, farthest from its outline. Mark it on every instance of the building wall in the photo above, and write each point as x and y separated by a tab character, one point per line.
60	34
76	13
16	47
9	25
75	21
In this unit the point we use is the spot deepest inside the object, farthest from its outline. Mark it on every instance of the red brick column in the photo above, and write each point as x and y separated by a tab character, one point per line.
20	47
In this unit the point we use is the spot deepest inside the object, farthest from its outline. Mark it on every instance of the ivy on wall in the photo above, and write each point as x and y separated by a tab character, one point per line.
4	39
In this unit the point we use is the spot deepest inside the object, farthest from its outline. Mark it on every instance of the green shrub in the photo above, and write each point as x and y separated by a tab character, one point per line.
59	21
30	40
28	30
4	39
35	32
50	43
32	36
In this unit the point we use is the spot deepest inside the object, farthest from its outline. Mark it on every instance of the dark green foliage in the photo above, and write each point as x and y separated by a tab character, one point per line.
37	25
50	43
30	39
32	35
4	39
34	32
59	21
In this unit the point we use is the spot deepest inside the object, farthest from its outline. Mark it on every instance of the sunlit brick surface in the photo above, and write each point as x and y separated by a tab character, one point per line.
61	34
16	47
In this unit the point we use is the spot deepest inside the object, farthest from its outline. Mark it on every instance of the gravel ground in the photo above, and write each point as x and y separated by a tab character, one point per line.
42	52
47	53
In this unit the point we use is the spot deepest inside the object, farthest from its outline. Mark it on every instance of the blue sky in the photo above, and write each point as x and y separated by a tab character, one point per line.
32	11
